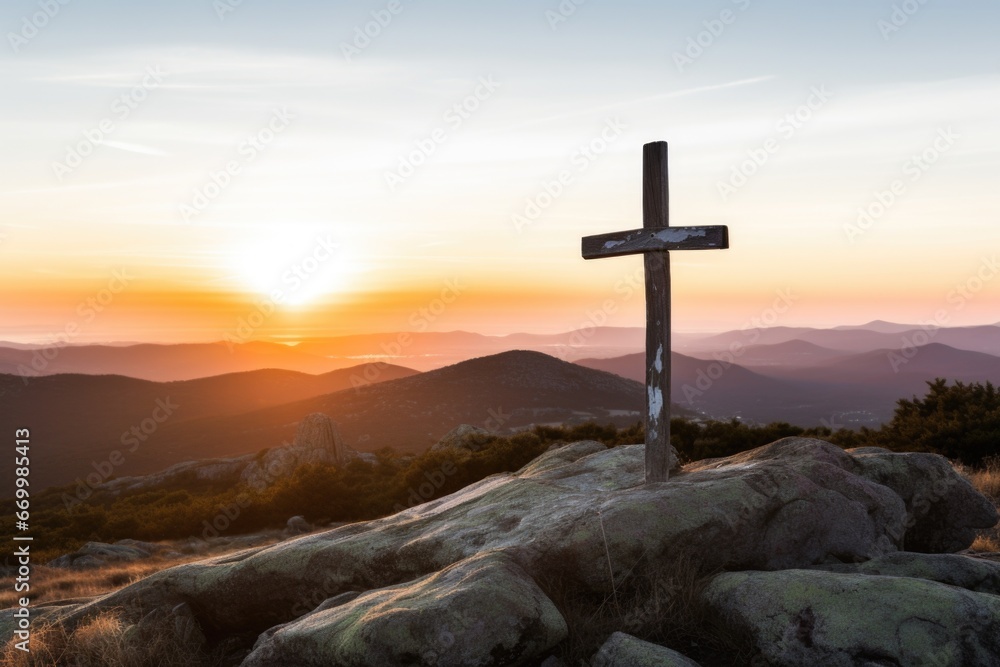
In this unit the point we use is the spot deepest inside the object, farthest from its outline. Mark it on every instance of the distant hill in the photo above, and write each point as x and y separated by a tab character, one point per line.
724	391
166	363
500	392
432	350
806	384
77	419
421	351
790	353
901	371
880	326
884	335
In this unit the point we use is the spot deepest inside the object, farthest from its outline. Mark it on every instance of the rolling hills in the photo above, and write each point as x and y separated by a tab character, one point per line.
409	412
76	420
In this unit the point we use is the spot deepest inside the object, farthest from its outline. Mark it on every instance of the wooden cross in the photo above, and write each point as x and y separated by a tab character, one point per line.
655	240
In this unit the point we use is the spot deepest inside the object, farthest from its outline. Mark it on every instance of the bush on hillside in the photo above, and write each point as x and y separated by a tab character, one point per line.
959	421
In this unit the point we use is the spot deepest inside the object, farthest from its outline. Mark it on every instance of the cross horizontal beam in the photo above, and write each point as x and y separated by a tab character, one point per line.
652	239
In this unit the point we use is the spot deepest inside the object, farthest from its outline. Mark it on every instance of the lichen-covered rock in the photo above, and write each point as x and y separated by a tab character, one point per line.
974	574
943	510
805	617
622	650
479	612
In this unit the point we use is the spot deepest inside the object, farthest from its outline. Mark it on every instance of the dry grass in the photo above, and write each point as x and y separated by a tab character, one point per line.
103	641
658	604
49	584
987	481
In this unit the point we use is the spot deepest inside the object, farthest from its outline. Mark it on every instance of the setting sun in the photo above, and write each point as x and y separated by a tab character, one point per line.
292	267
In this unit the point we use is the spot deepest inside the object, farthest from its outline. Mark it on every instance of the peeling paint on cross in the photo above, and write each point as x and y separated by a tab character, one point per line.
655	241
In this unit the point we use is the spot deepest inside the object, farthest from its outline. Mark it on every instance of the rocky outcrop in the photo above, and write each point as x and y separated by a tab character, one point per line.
317	440
99	554
583	514
464	436
943	511
802	617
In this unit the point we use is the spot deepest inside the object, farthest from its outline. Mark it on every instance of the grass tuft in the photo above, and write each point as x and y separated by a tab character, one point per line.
103	641
987	482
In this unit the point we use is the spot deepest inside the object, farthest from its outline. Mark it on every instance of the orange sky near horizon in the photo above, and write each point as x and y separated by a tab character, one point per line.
254	159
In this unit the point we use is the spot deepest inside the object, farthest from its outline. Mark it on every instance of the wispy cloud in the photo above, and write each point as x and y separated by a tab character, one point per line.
590	111
133	148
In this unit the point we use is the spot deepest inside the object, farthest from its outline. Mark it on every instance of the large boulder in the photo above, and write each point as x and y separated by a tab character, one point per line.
943	510
805	617
481	611
580	513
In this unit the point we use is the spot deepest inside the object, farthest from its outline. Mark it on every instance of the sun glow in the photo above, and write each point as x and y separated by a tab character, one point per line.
294	268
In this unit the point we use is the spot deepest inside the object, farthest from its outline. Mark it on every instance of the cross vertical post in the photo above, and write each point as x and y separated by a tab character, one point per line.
655	241
656	214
